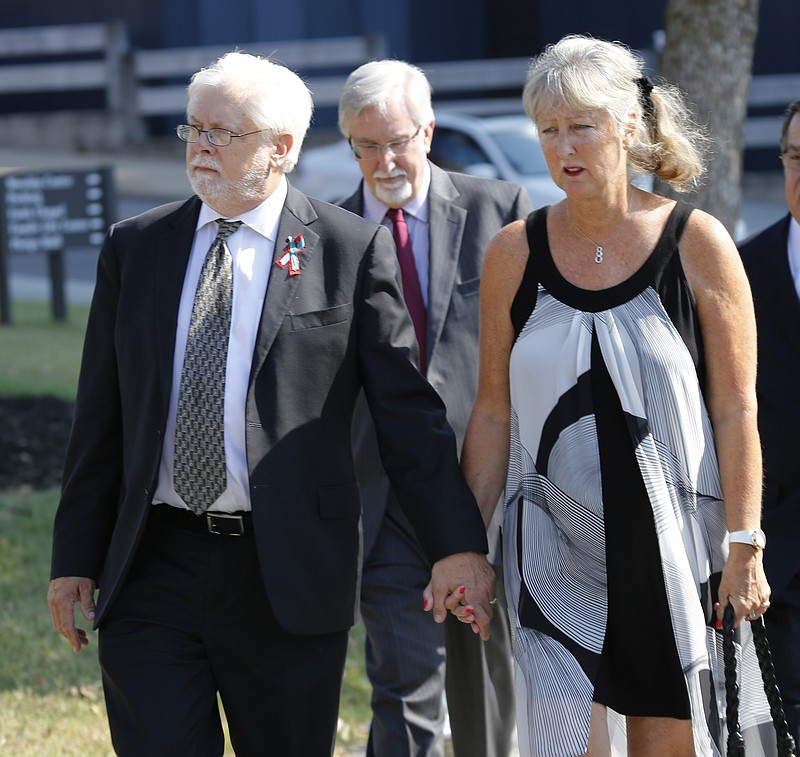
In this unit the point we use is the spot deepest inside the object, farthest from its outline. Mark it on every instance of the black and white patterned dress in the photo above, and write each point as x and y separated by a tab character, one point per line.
614	527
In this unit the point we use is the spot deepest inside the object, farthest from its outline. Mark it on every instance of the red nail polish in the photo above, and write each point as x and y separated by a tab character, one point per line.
462	590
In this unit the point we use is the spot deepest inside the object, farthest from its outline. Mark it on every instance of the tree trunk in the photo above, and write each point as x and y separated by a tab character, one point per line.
709	54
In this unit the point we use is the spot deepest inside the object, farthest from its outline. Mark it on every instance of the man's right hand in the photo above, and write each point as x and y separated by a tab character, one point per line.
62	595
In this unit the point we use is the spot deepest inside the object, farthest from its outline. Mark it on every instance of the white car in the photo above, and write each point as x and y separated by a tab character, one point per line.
499	147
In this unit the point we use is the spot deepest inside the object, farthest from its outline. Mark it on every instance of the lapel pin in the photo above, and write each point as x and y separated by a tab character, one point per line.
291	254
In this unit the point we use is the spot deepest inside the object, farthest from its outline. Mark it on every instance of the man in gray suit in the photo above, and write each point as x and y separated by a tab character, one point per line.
442	230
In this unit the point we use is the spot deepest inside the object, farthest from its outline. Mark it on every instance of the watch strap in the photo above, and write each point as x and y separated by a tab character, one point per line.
755	537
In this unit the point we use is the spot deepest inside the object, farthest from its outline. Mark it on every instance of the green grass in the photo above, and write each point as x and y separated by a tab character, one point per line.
50	698
40	355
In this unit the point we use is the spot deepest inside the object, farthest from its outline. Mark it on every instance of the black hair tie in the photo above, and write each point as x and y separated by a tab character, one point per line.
645	88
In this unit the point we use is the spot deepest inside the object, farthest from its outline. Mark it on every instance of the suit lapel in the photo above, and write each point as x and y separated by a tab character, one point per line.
173	248
447	221
281	288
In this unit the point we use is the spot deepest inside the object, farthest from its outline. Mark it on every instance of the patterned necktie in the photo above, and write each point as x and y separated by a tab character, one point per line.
412	292
200	475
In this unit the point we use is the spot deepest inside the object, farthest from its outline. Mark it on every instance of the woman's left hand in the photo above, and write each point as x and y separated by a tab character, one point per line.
744	584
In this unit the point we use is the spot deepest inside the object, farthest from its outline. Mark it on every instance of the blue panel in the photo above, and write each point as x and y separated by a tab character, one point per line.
450	31
777	50
226	24
332	19
179	23
273	20
630	21
394	23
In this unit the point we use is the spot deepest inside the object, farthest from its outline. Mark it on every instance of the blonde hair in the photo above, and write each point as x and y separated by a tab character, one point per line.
583	73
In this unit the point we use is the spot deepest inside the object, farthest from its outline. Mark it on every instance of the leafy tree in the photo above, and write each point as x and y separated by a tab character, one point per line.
708	53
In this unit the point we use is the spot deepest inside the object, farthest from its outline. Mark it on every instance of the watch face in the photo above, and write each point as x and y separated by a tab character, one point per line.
759	538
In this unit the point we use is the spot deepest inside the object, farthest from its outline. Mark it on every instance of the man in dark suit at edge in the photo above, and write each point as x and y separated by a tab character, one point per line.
209	487
772	261
447	221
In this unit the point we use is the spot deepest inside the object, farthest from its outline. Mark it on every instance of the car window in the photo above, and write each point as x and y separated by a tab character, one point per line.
522	149
454	151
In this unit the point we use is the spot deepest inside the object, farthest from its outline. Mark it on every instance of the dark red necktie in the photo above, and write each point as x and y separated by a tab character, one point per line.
411	288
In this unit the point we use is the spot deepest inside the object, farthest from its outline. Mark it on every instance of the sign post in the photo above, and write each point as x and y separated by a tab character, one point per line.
49	212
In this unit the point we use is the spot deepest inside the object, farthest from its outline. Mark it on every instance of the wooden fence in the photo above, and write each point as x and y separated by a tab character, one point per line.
137	85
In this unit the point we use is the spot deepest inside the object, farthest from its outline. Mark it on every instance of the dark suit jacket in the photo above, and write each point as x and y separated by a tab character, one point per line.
325	334
465	213
766	261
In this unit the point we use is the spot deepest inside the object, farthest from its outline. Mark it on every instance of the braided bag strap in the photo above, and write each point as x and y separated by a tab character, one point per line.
786	745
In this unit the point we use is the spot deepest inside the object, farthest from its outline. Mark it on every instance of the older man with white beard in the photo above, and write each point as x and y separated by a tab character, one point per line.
209	485
442	223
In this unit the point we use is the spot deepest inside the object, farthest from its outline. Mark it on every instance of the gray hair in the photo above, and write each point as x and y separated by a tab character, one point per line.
273	97
376	83
583	73
787	119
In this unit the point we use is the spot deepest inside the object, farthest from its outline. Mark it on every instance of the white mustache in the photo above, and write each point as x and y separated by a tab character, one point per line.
393	174
199	163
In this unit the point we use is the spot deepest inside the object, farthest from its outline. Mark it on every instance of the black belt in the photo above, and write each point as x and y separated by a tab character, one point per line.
219	524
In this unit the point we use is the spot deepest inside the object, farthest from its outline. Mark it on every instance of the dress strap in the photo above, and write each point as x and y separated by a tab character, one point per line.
665	252
525	299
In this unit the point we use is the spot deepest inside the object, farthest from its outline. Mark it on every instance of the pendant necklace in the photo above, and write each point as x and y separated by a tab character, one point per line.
599	249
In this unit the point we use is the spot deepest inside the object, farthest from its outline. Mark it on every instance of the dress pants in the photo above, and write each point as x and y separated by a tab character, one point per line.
405	660
782	622
480	683
193	621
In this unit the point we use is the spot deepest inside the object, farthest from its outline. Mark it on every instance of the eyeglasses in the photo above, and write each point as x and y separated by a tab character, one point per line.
790	160
372	151
216	137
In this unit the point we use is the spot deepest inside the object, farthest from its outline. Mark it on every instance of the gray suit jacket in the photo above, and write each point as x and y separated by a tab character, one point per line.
465	213
336	329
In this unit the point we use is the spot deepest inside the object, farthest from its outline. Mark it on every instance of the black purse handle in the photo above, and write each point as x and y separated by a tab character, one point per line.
786	745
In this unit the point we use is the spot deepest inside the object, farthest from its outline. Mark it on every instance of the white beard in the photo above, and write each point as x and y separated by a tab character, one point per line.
393	196
214	190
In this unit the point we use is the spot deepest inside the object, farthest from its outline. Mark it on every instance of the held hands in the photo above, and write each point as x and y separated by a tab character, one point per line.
743	584
62	595
464	584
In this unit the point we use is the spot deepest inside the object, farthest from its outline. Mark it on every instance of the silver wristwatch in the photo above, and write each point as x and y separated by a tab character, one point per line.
755	537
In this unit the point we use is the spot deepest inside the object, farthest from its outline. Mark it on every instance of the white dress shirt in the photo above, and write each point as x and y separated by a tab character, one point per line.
252	248
416	212
794	253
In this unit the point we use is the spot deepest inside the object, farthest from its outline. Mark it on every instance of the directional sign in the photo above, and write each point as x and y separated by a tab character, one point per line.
55	210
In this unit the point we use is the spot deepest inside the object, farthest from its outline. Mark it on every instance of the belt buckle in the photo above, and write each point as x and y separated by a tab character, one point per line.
214	524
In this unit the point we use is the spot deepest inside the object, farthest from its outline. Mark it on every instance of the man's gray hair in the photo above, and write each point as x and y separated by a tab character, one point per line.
376	83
